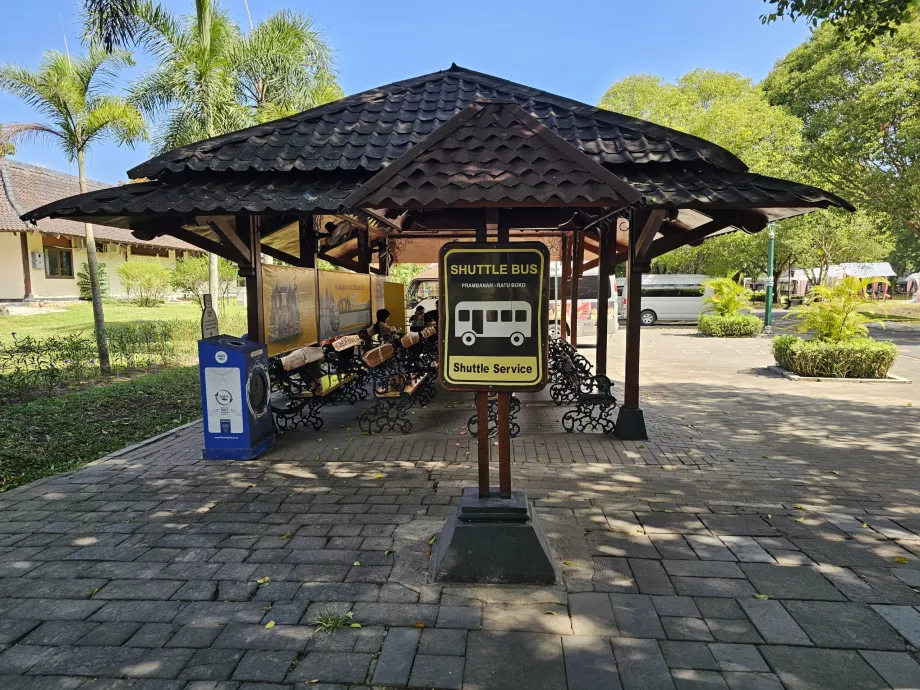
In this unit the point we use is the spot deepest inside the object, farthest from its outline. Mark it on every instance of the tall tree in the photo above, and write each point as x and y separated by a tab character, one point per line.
862	20
72	95
210	78
861	120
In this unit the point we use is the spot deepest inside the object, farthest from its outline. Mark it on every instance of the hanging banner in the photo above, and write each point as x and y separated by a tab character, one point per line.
494	299
344	303
377	296
394	299
289	302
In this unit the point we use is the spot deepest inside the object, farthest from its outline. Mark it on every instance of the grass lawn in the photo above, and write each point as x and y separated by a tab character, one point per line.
65	432
895	311
78	317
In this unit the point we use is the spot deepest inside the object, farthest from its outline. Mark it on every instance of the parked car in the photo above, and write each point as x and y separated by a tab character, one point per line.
675	297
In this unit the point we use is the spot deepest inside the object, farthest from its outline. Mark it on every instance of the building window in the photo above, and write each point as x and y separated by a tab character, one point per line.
58	257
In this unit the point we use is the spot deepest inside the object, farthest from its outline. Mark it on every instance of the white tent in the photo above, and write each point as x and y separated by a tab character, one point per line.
878	269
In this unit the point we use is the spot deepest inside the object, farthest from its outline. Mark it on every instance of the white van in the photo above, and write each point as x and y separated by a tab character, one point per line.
423	290
676	297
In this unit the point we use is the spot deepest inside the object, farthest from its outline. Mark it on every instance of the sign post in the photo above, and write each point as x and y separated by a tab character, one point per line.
493	329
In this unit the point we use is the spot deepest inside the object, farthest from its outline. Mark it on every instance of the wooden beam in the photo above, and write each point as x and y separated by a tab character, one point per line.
341	262
281	255
650	221
678	239
223	230
205	244
548	218
564	287
578	253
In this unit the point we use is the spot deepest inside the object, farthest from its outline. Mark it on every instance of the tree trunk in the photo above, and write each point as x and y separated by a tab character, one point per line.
214	281
92	265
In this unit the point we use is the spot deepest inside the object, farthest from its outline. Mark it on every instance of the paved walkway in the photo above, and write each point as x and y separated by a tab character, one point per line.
768	536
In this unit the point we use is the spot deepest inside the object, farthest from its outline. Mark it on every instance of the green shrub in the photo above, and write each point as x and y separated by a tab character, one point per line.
83	281
727	298
147	282
734	326
858	358
833	313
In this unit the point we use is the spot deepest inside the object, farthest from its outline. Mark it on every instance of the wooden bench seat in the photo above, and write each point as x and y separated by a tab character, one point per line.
411	388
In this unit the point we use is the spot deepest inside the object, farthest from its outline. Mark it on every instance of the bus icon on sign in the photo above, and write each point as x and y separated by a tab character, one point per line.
500	319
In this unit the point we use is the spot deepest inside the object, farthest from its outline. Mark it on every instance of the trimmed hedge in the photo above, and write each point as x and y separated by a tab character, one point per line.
861	358
736	326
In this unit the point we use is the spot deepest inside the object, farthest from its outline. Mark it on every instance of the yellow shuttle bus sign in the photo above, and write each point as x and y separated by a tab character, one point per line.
493	315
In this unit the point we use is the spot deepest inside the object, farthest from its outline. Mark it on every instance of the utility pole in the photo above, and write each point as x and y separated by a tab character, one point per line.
768	298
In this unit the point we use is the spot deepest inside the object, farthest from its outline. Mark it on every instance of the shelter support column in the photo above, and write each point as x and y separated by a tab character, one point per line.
578	258
605	268
564	287
631	420
247	228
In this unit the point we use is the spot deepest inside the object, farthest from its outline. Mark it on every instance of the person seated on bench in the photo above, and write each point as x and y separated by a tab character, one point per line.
431	317
417	320
385	332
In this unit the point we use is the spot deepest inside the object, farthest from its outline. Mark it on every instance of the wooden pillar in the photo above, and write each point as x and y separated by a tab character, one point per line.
578	258
631	421
482	231
247	228
26	265
504	230
564	287
482	442
504	445
364	250
307	242
605	268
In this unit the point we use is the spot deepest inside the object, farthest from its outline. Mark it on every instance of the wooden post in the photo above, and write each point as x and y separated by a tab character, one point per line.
607	250
482	442
564	287
578	258
630	420
307	242
482	232
504	230
247	228
504	445
26	265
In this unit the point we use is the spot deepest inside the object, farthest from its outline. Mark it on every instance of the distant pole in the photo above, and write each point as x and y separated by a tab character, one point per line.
768	304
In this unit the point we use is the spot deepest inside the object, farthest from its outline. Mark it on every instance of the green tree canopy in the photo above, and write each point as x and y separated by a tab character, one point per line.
861	135
861	20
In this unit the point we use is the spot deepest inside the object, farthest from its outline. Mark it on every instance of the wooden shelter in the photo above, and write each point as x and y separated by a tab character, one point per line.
450	155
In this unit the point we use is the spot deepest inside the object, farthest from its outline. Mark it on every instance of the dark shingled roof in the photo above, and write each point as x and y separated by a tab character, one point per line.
492	151
372	129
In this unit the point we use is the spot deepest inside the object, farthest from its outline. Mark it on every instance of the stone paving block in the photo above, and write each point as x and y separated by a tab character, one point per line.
442	642
195	636
467	617
440	672
702	569
499	660
331	668
621	545
791	558
395	662
810	527
55	609
641	665
709	548
14	629
746	549
286	612
738	525
772	544
803	668
712	587
622	522
844	625
676	606
405	615
211	664
613	575
139	589
694	655
19	659
280	637
774	623
886	588
394	593
844	553
548	618
738	657
733	630
152	635
686	629
589	663
650	577
751	681
671	523
200	590
369	640
591	614
57	633
271	667
888	528
131	662
110	634
42	683
672	546
635	616
897	668
217	612
138	611
688	679
790	582
904	619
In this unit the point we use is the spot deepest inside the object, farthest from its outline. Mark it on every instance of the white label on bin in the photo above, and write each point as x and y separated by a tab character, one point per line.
224	397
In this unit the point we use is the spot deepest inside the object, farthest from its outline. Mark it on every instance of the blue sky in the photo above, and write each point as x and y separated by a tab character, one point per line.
576	50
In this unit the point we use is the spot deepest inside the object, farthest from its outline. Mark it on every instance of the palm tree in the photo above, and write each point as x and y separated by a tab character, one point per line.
111	22
71	95
211	79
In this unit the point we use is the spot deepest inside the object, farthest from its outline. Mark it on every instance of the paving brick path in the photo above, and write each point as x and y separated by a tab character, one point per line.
767	537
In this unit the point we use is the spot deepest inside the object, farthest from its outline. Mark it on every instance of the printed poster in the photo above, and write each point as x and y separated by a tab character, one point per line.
289	301
344	303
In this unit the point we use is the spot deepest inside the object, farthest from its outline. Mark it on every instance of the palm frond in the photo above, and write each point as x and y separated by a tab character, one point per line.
112	23
115	118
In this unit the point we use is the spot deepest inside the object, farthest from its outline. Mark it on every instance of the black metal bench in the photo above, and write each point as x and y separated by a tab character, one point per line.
561	388
593	399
